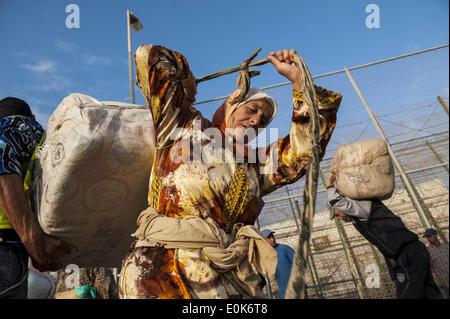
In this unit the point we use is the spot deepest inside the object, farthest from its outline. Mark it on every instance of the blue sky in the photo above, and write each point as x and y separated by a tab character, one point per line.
42	61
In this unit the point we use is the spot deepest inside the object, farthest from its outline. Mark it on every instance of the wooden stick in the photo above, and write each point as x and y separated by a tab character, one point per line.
230	70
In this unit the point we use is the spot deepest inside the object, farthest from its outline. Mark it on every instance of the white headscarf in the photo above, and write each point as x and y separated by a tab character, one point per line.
253	94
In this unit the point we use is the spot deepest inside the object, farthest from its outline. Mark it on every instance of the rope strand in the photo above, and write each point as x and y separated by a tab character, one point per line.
295	287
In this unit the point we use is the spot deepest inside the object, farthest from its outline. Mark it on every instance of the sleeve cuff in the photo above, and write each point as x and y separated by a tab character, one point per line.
298	96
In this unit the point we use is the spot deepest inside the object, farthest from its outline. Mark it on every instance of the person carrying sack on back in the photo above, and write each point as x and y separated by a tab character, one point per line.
20	233
406	257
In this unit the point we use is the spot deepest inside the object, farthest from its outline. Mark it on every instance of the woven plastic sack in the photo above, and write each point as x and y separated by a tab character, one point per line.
91	176
364	170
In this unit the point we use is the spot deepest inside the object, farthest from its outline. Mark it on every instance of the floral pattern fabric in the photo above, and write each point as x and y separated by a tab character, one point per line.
228	191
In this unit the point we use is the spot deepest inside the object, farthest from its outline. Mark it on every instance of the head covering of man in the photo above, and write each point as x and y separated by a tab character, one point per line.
224	112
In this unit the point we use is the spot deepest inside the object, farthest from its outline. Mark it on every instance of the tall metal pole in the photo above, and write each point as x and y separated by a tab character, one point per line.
381	268
444	105
350	257
436	154
130	60
293	211
406	182
311	264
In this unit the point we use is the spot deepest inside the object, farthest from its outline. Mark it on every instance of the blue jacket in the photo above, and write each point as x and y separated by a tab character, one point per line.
284	265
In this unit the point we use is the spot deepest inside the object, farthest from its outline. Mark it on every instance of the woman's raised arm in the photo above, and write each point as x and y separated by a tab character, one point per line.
168	86
293	151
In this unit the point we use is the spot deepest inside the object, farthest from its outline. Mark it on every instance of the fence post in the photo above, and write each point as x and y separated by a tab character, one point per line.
436	154
311	263
314	275
293	210
444	105
350	259
348	250
434	223
412	192
381	268
310	258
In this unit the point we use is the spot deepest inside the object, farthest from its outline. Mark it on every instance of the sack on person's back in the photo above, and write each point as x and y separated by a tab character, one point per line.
364	170
91	176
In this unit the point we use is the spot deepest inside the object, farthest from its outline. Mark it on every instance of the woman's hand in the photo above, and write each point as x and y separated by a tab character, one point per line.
283	61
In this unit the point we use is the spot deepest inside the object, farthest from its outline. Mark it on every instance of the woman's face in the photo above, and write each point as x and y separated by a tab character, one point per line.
254	114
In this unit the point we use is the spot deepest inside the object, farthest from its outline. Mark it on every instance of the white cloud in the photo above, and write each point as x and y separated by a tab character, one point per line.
65	46
53	82
91	59
41	67
47	78
85	57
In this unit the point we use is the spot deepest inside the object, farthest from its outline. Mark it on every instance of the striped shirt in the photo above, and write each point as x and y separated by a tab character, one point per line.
439	263
19	136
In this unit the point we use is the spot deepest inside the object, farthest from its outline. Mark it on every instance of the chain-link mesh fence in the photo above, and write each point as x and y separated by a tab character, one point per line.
403	95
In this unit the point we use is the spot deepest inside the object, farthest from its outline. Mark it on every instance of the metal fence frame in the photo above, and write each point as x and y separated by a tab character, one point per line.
355	248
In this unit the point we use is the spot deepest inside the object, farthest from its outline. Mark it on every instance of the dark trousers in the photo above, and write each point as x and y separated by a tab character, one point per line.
412	273
13	271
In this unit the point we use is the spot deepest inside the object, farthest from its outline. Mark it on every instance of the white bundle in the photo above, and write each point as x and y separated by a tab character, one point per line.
364	170
91	177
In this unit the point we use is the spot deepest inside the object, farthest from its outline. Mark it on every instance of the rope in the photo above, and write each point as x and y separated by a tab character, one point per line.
295	287
264	61
235	69
243	81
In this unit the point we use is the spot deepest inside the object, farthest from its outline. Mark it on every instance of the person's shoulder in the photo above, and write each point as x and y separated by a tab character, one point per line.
15	130
17	121
285	247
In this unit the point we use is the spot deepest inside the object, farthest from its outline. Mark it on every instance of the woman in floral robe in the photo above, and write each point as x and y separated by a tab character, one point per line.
191	177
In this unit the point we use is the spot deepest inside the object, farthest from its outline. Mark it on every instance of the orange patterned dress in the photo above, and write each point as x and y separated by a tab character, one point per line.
228	191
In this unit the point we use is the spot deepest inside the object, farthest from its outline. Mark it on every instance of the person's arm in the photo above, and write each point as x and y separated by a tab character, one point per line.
42	248
18	139
168	86
345	205
292	153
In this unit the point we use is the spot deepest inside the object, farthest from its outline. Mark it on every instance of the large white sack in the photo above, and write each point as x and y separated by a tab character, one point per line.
364	170
91	177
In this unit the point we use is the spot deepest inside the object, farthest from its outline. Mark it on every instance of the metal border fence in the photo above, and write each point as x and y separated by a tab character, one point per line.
342	263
